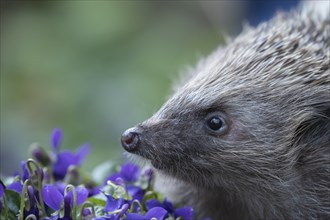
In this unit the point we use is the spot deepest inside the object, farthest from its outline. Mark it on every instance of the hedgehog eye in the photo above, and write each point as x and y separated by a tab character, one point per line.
216	123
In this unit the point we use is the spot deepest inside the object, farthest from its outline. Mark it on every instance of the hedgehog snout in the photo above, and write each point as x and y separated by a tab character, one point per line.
130	139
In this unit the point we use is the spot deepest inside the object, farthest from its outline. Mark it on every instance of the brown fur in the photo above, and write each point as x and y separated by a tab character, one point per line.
272	84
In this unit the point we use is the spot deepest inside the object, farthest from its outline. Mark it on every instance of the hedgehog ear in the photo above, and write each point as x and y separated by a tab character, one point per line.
313	136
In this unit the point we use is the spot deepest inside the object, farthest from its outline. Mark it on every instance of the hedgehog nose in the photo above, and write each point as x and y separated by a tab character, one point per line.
130	140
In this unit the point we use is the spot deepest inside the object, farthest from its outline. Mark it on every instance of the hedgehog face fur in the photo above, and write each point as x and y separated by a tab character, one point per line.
247	135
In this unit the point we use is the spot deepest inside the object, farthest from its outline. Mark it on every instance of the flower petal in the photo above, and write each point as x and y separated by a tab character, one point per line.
168	206
25	174
86	212
130	172
16	186
2	190
134	216
112	204
186	213
157	212
82	153
64	160
112	178
52	197
60	186
151	203
81	193
56	139
67	207
136	192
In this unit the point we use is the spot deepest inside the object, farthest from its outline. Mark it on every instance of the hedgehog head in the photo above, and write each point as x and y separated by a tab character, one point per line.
255	111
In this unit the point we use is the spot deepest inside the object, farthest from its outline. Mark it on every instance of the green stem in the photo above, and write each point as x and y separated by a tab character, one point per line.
31	216
22	205
49	170
74	208
39	182
135	202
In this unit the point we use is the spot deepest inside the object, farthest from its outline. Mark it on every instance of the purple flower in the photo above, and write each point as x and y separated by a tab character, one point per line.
67	158
56	139
16	186
33	209
67	207
136	192
2	189
186	213
86	212
117	216
148	173
81	194
25	174
40	155
53	197
157	212
112	205
128	172
151	203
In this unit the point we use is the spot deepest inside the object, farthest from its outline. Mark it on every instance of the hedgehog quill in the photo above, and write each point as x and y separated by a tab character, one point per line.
247	134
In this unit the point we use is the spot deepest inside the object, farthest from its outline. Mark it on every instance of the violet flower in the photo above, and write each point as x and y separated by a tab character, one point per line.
54	198
136	192
25	174
157	212
66	158
186	213
168	206
129	172
114	208
117	216
2	190
56	139
16	186
33	209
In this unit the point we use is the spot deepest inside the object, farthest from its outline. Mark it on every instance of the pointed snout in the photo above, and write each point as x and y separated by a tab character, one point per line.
130	139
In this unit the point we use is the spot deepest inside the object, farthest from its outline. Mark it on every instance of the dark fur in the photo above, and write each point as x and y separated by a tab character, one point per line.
272	83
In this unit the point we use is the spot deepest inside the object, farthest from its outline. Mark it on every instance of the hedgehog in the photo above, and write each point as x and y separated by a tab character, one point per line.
246	134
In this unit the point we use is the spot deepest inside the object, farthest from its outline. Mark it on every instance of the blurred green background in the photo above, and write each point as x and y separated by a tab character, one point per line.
96	68
91	68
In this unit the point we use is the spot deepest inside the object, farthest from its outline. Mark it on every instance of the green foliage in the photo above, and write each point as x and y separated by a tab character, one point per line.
11	200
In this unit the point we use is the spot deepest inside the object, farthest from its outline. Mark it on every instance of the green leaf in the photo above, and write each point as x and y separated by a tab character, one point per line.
97	201
13	200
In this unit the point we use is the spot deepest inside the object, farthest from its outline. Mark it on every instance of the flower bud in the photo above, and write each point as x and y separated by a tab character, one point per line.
30	193
40	154
67	207
86	212
72	175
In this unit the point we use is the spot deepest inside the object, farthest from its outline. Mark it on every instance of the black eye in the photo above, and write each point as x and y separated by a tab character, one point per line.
215	123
